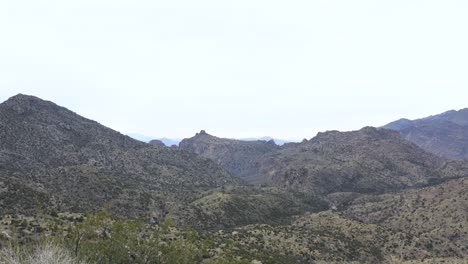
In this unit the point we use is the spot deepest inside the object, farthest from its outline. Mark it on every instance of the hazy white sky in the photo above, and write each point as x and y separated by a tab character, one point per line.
238	68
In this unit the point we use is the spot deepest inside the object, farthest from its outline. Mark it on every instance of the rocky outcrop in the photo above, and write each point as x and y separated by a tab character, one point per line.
370	160
237	156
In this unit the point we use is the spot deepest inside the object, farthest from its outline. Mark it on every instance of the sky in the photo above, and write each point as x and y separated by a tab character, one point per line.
242	68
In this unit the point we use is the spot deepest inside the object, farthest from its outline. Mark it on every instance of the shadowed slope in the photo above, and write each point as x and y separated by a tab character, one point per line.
237	156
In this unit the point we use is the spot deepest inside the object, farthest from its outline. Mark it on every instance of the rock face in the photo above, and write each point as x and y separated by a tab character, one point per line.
54	158
445	135
370	160
237	156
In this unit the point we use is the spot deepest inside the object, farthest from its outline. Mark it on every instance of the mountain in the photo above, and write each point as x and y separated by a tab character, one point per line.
365	196
140	137
52	158
170	141
174	141
237	156
445	135
157	142
279	142
166	141
370	160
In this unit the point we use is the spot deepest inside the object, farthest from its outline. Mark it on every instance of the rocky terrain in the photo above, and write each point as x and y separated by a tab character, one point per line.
435	217
445	135
237	156
366	196
371	160
52	158
234	206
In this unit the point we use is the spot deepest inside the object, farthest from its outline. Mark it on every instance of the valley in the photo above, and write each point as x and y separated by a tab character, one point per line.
373	195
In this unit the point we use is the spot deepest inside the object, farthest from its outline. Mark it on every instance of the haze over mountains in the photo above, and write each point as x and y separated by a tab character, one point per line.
361	195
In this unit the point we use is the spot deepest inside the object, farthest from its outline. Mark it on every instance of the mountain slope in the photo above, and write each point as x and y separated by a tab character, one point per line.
369	160
234	206
237	156
445	135
436	217
61	160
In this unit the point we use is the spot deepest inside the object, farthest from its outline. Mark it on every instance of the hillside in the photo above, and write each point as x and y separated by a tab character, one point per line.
52	158
234	206
366	196
435	217
445	135
420	224
237	156
369	160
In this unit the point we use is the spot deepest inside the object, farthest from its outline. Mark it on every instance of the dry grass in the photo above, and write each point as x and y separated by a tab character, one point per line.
47	253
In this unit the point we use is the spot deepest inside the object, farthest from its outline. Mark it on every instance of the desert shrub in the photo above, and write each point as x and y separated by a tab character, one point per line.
43	253
103	239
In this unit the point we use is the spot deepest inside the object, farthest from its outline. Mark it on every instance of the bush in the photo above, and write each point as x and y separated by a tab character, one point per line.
47	253
105	240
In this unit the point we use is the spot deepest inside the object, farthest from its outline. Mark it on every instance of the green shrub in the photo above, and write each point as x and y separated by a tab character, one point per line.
102	239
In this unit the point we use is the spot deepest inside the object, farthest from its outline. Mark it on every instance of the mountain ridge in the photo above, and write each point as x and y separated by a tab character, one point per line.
75	163
445	134
237	156
366	160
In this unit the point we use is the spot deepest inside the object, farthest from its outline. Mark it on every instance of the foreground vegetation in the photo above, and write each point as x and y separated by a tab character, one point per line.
323	237
100	238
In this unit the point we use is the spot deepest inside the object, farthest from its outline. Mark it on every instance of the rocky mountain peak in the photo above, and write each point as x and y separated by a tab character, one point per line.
50	150
202	134
22	104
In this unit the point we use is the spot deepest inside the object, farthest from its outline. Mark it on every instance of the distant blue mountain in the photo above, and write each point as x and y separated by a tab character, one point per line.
277	141
140	137
170	141
175	141
167	141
